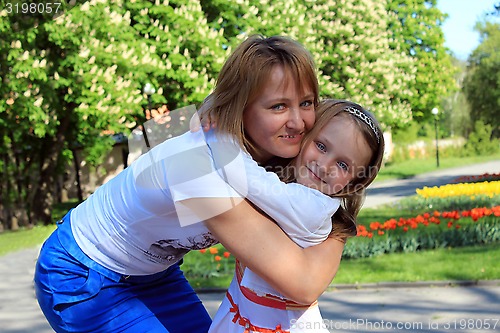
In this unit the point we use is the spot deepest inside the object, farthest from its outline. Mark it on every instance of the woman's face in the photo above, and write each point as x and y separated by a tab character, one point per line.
337	155
276	121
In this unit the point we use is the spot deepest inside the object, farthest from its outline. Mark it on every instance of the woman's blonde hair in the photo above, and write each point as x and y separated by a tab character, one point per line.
244	74
352	195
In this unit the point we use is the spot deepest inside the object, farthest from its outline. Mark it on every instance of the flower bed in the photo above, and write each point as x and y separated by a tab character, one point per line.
489	189
209	267
480	178
452	215
426	219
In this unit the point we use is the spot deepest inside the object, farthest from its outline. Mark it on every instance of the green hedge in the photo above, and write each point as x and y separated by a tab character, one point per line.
417	204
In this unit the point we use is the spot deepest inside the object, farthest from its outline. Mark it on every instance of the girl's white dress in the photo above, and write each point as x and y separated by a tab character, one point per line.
245	310
252	305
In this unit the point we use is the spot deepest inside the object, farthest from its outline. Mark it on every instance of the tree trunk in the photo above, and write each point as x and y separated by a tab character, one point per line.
8	193
43	197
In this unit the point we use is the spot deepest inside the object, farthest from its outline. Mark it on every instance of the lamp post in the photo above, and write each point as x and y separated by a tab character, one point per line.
435	112
148	90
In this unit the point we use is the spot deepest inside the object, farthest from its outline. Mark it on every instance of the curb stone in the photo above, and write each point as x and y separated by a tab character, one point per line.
384	285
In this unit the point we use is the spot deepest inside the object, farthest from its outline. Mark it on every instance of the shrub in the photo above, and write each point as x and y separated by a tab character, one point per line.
480	142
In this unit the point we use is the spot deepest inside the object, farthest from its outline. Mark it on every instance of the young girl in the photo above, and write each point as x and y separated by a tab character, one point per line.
339	157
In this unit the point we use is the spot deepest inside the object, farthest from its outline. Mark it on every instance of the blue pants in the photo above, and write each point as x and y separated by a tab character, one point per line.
78	295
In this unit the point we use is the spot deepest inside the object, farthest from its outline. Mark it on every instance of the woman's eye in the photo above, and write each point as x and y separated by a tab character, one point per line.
321	146
306	104
278	107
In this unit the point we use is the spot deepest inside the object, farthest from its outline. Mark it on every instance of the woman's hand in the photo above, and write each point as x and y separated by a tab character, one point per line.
202	118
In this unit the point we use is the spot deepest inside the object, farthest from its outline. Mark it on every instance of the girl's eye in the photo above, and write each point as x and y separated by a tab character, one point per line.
343	166
321	146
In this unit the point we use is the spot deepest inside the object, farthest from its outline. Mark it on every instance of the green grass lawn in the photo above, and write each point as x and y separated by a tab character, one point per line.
11	241
23	238
412	168
432	265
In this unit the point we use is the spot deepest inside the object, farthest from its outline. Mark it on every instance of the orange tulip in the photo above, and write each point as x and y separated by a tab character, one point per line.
425	219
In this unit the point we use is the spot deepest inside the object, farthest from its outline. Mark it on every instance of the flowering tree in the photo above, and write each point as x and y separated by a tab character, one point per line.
350	43
188	52
73	78
63	83
359	61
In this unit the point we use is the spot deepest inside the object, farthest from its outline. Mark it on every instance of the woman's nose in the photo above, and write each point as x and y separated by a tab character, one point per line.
295	120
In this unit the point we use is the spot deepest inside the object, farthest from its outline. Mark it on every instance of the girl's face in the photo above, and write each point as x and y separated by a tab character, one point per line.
275	122
337	155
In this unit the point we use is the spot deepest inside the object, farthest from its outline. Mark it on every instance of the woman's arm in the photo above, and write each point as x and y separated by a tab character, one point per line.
300	274
302	212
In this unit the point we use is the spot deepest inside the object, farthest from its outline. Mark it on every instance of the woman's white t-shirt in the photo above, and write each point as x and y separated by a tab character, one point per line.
135	224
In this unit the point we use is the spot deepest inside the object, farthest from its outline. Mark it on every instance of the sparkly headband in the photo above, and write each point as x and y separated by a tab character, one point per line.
366	119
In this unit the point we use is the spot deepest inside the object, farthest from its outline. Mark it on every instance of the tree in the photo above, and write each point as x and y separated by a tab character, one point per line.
455	113
358	60
416	27
482	82
349	41
64	82
72	79
189	51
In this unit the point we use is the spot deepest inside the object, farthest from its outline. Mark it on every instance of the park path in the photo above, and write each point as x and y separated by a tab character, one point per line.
424	307
392	190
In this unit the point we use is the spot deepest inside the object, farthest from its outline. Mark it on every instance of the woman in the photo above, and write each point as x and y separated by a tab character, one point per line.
231	105
112	264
